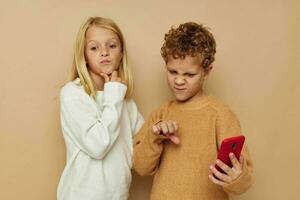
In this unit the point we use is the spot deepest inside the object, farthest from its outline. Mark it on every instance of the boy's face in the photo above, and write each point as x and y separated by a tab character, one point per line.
185	77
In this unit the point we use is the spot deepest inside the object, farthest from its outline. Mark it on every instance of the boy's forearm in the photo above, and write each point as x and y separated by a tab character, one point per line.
147	151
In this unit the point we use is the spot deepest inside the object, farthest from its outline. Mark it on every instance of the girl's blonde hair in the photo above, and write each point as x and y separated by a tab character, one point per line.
79	68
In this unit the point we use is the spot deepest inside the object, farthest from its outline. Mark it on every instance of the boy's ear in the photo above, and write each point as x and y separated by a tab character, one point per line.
208	70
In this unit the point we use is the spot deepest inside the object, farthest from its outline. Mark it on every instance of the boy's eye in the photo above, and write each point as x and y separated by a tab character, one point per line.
172	72
191	75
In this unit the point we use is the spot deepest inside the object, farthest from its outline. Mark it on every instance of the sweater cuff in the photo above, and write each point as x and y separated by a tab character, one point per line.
241	184
114	92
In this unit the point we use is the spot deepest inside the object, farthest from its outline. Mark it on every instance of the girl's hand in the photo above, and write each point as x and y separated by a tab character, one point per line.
230	175
167	129
113	77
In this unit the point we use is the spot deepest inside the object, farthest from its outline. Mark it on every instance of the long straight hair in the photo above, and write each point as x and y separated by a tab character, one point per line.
79	68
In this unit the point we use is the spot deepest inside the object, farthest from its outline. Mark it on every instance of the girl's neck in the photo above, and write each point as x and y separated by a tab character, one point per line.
98	81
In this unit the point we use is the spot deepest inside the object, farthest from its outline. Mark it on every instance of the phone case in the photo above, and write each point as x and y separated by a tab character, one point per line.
232	144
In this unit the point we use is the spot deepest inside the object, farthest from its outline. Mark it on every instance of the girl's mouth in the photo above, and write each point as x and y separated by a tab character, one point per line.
106	61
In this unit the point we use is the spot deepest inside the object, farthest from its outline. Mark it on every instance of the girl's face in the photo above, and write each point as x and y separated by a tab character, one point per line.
103	51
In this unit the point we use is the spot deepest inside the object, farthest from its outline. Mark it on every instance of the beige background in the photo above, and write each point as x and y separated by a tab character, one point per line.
255	72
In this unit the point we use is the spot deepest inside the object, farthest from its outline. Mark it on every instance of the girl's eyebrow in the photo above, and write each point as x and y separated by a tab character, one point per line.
114	39
91	41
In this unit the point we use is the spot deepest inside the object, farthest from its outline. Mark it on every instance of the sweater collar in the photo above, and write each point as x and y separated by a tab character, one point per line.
192	105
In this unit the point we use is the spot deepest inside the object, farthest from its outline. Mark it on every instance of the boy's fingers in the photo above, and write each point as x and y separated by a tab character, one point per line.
222	177
175	126
171	127
224	167
234	161
167	129
155	129
174	138
242	161
215	181
164	128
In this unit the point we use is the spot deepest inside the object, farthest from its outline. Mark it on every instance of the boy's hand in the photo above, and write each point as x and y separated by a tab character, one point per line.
230	175
168	129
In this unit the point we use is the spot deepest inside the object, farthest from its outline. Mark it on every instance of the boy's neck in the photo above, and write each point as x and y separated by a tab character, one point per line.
198	97
194	102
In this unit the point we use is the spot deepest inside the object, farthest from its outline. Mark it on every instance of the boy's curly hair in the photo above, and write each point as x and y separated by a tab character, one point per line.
190	39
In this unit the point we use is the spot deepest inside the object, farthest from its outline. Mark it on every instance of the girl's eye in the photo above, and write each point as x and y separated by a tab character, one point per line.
93	48
112	46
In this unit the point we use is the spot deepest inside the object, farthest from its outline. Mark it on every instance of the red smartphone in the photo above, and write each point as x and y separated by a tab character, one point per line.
232	144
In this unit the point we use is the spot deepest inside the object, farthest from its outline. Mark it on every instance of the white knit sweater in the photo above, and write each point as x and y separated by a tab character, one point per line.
98	137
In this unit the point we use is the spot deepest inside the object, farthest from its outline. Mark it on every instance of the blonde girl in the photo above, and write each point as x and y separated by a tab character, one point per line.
98	116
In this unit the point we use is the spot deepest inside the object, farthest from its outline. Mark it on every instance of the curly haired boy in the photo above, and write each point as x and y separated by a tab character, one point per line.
179	142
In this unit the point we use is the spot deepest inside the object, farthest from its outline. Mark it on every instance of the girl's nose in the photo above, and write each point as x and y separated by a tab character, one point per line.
104	52
179	81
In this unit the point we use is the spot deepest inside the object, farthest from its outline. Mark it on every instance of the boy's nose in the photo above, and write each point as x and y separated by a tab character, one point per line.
179	81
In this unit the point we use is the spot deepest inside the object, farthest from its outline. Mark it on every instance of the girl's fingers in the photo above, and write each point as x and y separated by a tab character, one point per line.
105	76
123	82
114	76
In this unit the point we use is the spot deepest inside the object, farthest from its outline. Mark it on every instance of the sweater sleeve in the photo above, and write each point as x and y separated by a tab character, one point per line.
136	119
148	146
227	125
93	132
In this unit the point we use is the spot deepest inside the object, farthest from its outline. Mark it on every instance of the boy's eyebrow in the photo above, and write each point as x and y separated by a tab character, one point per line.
185	73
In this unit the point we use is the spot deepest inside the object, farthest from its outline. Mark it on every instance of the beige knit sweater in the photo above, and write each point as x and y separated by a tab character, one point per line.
181	171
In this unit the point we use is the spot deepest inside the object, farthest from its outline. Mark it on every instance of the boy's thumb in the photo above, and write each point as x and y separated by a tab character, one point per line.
174	138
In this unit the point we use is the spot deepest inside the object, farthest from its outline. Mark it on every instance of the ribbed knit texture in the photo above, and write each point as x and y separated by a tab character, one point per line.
181	171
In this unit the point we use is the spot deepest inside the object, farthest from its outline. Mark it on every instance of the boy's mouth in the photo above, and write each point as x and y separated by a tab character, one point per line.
180	89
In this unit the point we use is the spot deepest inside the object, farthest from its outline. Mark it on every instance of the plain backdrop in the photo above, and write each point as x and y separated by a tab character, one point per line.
256	73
